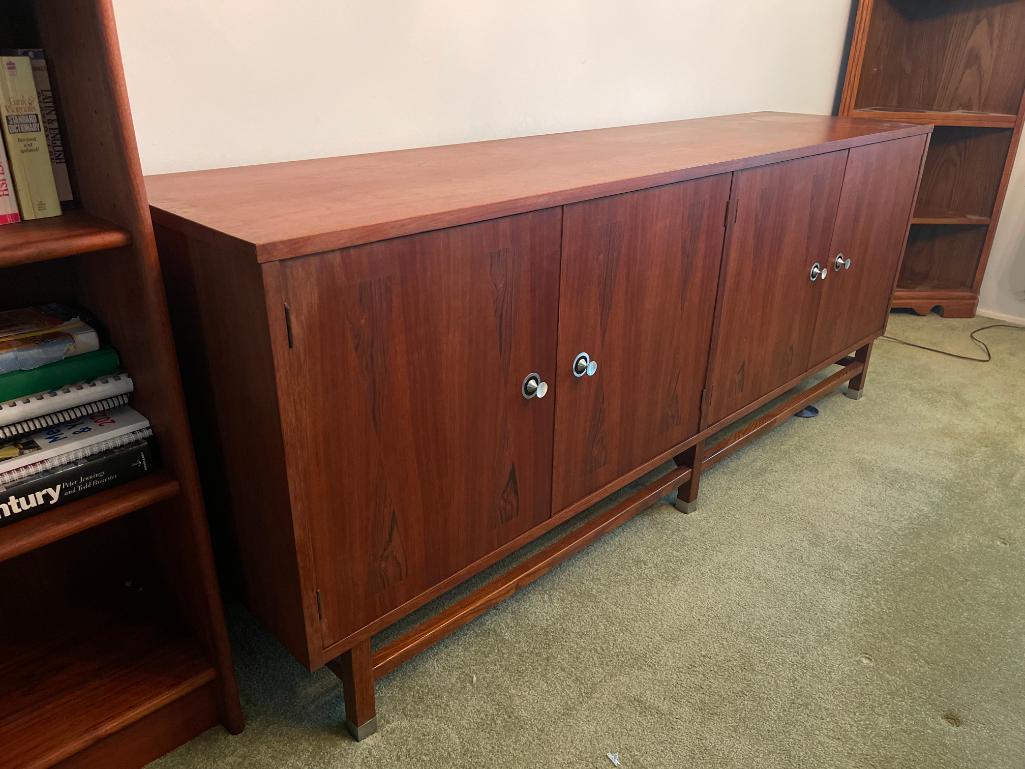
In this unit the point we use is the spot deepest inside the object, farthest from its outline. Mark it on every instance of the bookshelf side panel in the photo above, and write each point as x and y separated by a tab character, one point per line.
125	288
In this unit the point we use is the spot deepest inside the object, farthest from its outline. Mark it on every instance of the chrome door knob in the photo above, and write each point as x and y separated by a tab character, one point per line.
818	272
841	262
534	387
584	366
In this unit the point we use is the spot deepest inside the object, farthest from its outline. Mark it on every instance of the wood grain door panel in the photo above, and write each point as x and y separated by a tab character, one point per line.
408	357
639	274
871	226
783	223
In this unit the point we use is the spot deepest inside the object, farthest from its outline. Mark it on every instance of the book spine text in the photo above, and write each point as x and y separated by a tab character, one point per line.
23	131
51	123
49	490
8	202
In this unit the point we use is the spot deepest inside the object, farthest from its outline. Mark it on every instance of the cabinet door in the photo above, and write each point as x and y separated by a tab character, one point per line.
871	226
639	274
784	219
412	450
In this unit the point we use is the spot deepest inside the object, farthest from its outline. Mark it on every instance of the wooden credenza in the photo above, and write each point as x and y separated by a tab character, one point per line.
412	363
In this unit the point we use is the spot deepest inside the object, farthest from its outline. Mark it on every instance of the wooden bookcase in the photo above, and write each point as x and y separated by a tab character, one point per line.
959	65
113	648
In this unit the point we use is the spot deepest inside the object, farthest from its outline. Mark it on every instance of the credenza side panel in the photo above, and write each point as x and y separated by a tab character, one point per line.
638	287
784	214
413	451
871	229
218	310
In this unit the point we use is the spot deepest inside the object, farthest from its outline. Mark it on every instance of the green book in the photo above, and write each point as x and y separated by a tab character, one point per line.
89	365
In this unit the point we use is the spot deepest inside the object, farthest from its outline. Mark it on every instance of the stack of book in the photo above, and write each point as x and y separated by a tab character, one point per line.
66	430
34	178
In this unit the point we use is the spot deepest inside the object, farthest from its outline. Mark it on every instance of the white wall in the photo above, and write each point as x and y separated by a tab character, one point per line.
231	82
1003	289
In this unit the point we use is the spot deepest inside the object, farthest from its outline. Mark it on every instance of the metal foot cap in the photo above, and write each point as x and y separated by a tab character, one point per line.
854	395
361	732
684	506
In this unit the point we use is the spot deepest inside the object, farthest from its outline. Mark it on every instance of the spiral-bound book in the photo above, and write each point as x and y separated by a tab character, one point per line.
70	437
64	415
51	404
71	457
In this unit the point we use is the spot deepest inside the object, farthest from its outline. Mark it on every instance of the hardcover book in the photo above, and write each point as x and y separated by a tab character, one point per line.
26	140
18	384
70	436
51	122
34	336
51	489
8	202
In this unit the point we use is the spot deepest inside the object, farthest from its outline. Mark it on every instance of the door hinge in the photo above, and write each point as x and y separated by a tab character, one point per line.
320	606
288	325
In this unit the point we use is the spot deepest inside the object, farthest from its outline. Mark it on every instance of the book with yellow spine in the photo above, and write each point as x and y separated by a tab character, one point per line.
25	136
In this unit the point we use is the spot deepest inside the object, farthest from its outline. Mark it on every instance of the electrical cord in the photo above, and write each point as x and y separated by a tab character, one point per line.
972	336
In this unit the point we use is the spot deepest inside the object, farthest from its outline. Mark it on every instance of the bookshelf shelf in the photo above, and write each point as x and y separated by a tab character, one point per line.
944	216
938	117
75	232
45	528
941	256
90	675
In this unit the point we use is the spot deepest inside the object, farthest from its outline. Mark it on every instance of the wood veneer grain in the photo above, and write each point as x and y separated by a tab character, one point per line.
962	172
431	336
622	256
783	223
942	256
879	188
75	232
72	680
955	55
280	210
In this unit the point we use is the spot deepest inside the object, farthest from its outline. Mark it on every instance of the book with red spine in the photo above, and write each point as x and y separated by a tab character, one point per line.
8	202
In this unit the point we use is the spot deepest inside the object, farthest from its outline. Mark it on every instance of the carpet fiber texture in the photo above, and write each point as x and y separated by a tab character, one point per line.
850	593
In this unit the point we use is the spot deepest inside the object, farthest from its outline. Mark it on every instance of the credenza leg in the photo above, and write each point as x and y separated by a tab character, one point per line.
353	668
855	388
687	494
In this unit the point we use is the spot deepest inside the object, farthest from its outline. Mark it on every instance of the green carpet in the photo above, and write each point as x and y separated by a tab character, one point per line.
850	593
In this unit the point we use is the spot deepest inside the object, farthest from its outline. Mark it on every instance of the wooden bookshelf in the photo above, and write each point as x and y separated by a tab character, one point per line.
90	676
97	673
926	215
938	117
76	232
82	514
960	66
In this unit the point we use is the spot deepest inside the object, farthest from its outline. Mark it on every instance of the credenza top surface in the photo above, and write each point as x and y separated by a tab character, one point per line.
279	210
